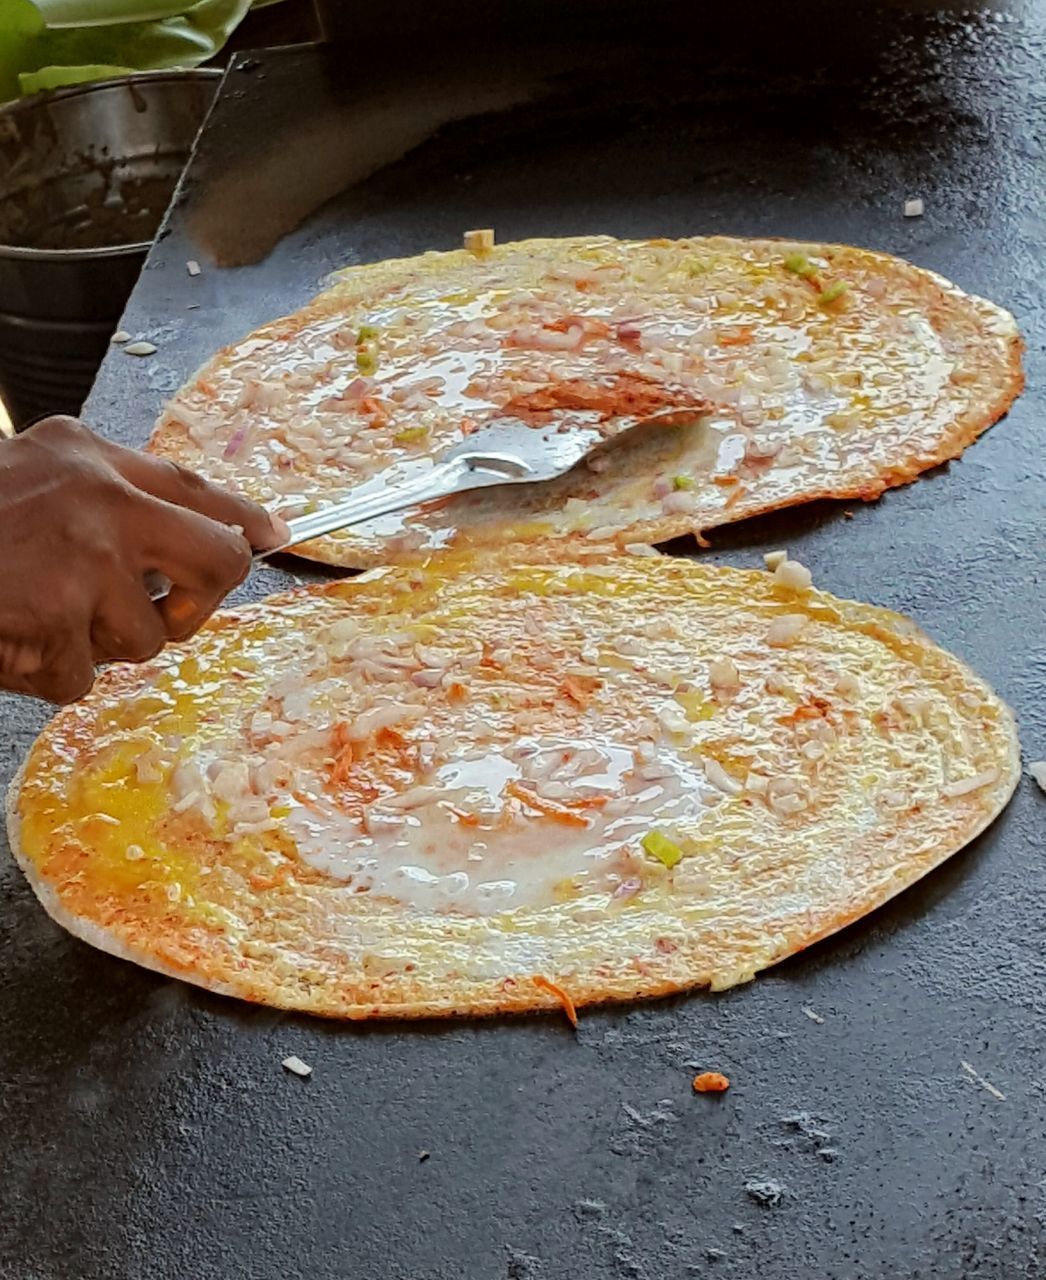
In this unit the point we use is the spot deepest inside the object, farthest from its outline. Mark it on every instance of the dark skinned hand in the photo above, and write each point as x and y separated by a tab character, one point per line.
82	523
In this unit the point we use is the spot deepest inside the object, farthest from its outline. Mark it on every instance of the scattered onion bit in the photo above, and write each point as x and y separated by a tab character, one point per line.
660	847
711	1082
834	292
545	984
800	265
479	242
793	576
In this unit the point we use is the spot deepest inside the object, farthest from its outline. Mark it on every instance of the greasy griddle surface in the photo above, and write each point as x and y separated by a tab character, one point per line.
149	1129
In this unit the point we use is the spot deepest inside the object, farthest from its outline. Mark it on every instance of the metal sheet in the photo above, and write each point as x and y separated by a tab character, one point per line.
148	1130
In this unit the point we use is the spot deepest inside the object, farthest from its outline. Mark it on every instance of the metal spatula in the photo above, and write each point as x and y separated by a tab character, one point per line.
505	451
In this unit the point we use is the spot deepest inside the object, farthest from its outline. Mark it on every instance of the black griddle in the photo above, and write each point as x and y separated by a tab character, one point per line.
148	1130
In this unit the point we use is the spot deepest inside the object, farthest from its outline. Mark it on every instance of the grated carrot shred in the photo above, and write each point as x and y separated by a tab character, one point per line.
545	984
550	808
466	819
738	338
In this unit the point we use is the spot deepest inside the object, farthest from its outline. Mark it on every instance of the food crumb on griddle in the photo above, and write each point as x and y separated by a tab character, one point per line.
296	1067
814	1017
914	208
977	1078
423	1156
711	1082
765	1191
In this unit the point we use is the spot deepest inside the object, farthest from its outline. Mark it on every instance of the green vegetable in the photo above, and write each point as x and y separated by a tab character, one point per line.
801	265
57	42
683	482
834	291
411	435
366	360
367	333
660	847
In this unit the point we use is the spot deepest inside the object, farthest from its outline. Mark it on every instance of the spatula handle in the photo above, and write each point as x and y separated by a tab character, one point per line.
370	501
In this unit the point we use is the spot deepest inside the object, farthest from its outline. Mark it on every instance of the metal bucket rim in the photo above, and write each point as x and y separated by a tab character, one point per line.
21	252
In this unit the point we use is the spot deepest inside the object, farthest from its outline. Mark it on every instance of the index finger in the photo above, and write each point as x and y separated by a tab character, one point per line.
203	560
184	488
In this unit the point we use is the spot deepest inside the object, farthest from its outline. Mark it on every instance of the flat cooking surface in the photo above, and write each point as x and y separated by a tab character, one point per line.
148	1129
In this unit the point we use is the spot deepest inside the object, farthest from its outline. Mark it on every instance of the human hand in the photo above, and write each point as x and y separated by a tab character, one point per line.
82	524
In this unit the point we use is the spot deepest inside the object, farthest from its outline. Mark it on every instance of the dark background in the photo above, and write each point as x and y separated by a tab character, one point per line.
148	1130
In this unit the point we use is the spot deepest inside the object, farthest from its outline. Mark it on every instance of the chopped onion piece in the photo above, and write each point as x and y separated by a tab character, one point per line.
429	678
776	684
679	502
1037	769
963	788
723	674
296	1067
720	779
785	630
786	806
793	575
774	559
673	721
915	706
140	348
481	241
914	208
627	889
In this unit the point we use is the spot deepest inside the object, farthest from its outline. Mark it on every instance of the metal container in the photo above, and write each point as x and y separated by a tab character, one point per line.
86	175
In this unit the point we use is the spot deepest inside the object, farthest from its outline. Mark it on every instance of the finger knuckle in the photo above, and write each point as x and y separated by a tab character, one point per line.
59	426
179	475
230	559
